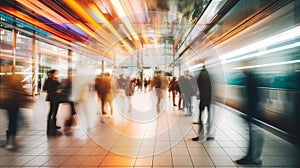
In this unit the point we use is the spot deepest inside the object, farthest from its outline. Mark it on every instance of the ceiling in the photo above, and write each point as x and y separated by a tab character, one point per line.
131	32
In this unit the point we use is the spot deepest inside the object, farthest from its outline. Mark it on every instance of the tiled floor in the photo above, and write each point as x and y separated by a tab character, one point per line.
137	138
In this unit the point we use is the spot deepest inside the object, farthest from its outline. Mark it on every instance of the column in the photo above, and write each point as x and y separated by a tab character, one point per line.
13	47
34	66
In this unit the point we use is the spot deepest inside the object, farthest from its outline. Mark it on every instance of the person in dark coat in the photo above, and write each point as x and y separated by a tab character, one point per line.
53	96
187	88
173	87
255	136
13	96
205	91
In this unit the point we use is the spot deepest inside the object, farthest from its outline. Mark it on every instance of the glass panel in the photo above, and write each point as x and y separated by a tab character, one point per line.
5	50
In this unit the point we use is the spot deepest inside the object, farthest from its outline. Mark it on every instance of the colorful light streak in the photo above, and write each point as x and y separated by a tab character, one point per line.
34	22
123	16
98	13
77	8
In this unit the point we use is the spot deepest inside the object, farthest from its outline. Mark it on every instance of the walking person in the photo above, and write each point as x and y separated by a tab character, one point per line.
157	84
12	98
187	90
173	87
255	136
180	95
205	91
65	97
103	87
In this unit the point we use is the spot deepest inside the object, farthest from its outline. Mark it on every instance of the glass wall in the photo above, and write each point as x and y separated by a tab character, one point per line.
24	54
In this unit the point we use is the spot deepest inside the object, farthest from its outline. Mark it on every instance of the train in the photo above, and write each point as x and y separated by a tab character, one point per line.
270	52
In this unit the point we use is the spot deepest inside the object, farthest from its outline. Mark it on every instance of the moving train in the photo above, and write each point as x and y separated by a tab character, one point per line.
228	49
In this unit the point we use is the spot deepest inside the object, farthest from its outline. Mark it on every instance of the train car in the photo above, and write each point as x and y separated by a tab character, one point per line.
271	52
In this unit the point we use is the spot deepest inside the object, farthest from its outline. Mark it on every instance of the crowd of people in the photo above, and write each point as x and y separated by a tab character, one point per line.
107	87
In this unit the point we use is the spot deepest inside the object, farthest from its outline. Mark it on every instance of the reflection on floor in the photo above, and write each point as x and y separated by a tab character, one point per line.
140	137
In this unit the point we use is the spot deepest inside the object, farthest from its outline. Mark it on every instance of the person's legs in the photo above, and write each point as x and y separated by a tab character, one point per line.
201	109
12	125
173	97
254	149
103	104
179	101
183	101
72	105
189	104
69	122
210	127
55	109
158	96
50	113
51	123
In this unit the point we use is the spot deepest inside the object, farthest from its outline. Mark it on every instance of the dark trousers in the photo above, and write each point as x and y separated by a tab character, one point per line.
202	106
256	141
53	109
13	112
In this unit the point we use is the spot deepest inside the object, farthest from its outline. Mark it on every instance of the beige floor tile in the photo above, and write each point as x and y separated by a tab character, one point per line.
112	161
92	161
182	161
162	160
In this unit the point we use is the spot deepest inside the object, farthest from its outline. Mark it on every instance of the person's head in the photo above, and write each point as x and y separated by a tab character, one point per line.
159	73
53	73
186	73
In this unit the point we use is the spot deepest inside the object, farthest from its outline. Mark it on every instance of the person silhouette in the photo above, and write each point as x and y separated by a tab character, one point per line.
51	85
205	89
255	136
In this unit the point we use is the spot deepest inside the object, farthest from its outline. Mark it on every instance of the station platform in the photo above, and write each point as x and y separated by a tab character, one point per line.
140	137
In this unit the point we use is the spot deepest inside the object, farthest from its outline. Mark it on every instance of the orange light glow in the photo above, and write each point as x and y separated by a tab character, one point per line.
85	15
3	55
43	11
98	13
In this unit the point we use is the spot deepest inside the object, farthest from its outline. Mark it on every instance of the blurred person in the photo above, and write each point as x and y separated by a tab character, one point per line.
187	90
296	117
139	84
157	84
145	84
255	136
179	93
173	87
164	90
12	97
205	94
51	86
129	91
149	84
125	87
296	114
103	87
65	97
